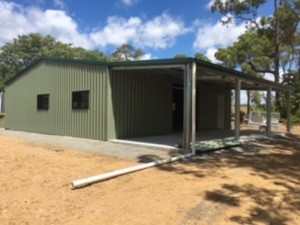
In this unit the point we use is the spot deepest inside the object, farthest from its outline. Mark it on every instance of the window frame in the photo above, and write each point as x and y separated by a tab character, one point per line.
79	100
43	102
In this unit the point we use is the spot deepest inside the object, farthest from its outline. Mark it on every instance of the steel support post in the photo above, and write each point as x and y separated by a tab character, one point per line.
187	108
288	116
194	80
269	111
237	108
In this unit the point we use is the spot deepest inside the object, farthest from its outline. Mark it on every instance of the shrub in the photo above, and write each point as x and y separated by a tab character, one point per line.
296	117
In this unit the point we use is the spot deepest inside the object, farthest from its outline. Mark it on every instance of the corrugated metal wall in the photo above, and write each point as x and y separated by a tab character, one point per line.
210	109
2	100
123	104
141	104
59	80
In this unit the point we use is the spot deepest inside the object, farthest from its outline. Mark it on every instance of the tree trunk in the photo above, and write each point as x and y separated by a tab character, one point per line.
276	52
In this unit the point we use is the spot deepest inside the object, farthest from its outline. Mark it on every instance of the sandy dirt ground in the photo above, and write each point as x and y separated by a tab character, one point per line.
258	183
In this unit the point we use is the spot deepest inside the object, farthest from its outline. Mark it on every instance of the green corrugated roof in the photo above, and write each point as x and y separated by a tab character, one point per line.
156	62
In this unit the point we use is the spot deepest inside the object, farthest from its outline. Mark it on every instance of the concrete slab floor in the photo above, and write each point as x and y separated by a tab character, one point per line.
174	140
137	149
130	152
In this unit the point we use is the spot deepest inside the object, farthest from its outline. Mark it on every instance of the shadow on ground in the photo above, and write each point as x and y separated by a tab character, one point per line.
275	160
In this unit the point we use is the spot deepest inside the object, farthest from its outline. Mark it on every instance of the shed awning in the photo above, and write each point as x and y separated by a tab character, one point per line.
206	72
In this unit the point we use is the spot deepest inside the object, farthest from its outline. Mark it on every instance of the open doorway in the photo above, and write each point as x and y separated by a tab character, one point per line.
177	108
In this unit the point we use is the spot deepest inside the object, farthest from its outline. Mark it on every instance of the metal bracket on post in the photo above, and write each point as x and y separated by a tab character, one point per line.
269	111
237	108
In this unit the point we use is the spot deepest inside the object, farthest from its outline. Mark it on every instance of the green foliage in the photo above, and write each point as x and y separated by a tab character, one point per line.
25	49
270	42
197	56
246	9
292	79
127	52
202	57
296	118
180	56
256	100
251	52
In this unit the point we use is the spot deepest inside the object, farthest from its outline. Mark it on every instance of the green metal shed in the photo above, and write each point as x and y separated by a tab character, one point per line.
111	100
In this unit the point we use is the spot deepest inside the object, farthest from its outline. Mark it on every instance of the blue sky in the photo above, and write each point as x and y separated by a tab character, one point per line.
162	28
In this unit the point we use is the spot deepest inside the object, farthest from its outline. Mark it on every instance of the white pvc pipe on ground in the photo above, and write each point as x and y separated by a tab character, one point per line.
90	180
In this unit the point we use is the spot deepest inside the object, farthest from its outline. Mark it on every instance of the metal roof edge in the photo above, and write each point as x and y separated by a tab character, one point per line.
101	63
243	75
77	61
153	62
58	59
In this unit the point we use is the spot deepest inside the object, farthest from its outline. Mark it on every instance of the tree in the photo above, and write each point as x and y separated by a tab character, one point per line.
270	43
275	34
25	49
250	53
126	53
256	99
293	79
246	53
180	56
278	31
202	57
197	55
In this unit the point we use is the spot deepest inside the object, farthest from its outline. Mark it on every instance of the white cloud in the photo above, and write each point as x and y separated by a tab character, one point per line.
210	3
11	23
117	31
129	2
146	56
17	20
60	25
160	32
211	36
59	3
210	53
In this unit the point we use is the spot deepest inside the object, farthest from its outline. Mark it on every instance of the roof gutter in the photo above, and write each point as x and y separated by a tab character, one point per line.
137	67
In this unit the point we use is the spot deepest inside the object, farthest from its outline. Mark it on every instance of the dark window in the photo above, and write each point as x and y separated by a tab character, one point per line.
43	102
80	99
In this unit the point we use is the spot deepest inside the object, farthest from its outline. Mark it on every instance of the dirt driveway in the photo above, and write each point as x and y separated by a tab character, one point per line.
256	184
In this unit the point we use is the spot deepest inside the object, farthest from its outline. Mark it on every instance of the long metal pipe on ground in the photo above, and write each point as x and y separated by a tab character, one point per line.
90	180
